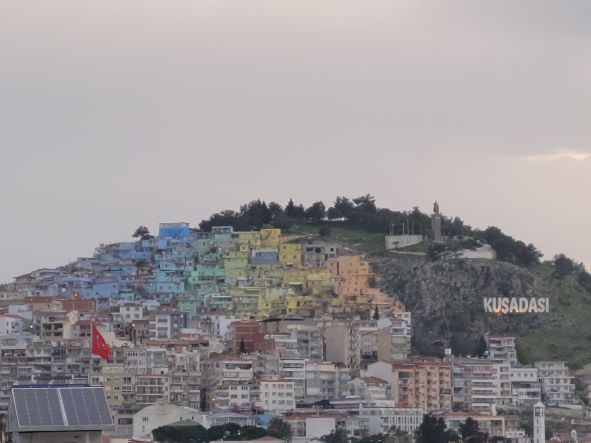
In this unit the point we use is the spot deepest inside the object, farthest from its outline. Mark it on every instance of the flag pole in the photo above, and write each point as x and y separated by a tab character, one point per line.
92	327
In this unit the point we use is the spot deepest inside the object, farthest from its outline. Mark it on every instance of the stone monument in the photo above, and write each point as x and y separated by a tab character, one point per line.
436	223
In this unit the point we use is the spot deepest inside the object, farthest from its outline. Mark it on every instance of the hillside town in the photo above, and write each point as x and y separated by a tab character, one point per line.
190	328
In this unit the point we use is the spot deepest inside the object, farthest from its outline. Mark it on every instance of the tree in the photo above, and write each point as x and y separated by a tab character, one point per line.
290	208
338	436
510	250
367	203
252	432
482	347
256	213
333	213
343	207
455	227
275	209
376	313
436	251
563	266
397	435
184	434
226	218
143	233
324	231
228	431
526	255
417	222
434	430
584	279
280	429
294	211
470	432
316	212
375	438
282	222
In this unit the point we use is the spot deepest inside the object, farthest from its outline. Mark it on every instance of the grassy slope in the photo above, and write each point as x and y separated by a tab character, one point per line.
363	241
568	339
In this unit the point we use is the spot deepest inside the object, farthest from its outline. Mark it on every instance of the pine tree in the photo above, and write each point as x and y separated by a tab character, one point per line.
290	210
376	313
482	347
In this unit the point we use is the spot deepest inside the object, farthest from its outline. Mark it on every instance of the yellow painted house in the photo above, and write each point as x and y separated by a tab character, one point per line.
311	280
320	282
291	276
290	254
374	297
270	238
245	300
247	241
258	301
113	378
304	305
265	275
274	302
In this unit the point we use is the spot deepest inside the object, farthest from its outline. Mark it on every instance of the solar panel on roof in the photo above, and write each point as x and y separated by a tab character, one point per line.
85	406
38	407
53	408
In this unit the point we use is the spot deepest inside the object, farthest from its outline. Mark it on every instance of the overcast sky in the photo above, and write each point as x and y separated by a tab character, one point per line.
120	113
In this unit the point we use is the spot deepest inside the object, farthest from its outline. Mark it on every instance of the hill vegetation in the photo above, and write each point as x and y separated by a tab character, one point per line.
360	217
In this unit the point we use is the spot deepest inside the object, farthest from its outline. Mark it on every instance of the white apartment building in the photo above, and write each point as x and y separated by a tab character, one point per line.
557	383
277	395
525	386
400	332
326	381
314	380
479	383
383	415
148	389
128	313
294	369
166	325
502	347
229	382
370	388
11	324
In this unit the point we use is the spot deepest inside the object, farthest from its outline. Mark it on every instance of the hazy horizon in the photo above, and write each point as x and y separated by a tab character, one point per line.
114	115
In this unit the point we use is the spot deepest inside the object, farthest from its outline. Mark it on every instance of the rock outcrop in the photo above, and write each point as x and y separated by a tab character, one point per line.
446	300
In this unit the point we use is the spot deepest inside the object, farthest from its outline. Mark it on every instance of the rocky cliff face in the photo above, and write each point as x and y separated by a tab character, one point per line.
446	300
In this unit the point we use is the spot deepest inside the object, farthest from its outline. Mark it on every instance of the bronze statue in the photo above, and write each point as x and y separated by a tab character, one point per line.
436	207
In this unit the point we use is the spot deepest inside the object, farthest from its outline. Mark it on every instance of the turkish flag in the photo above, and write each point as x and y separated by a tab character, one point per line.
99	345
